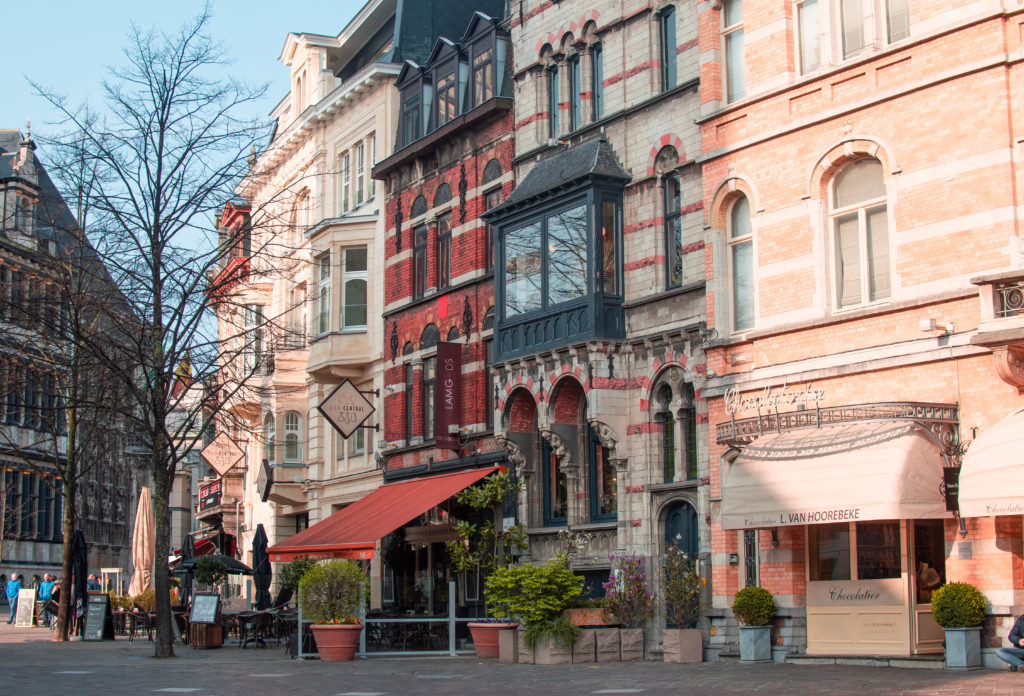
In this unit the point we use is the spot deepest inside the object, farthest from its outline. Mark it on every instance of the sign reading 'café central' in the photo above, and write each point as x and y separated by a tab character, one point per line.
346	408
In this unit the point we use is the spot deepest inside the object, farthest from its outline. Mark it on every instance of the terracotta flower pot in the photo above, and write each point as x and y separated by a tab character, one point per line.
485	637
337	642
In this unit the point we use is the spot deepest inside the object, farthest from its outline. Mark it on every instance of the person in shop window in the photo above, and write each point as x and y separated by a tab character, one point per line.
927	580
1014	656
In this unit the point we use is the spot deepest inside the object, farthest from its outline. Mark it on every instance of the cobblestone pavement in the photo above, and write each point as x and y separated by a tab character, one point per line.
32	665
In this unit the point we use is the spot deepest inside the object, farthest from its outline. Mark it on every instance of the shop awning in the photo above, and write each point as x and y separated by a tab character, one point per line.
878	470
353	531
992	473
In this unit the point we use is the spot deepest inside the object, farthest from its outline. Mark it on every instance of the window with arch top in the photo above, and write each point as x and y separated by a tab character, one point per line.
292	437
741	263
860	233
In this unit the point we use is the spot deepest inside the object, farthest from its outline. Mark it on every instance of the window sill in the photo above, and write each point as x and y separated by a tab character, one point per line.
674	485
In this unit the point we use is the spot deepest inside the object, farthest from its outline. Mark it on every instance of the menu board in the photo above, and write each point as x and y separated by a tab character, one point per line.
98	621
205	607
26	615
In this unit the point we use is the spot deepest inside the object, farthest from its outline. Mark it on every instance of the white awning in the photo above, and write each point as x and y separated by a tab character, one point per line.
878	470
992	473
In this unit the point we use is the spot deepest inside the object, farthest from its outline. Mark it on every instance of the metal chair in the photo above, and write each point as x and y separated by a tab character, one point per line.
139	622
257	629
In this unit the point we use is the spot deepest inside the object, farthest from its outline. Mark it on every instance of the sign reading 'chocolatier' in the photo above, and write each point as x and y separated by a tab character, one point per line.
770	398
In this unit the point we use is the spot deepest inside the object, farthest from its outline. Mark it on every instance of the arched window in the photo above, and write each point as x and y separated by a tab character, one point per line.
741	264
860	227
453	334
668	432
409	381
429	340
429	337
603	481
443	195
689	419
492	197
268	439
292	438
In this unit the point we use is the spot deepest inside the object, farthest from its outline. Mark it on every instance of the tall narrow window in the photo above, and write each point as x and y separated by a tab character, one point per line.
292	437
447	101
596	82
667	30
427	406
345	176
419	262
897	19
860	234
810	44
408	401
603	482
411	120
13	406
253	337
323	309
735	60
668	433
673	231
483	76
269	446
491	199
353	313
741	260
609	250
360	170
851	16
690	433
444	250
553	102
575	84
556	488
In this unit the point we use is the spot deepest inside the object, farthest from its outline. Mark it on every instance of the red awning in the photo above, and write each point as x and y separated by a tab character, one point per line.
204	547
353	532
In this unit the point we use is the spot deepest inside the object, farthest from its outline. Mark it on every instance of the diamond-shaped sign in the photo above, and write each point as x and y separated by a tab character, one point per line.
346	408
222	454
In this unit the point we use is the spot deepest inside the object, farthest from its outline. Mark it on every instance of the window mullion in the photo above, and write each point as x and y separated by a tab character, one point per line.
865	262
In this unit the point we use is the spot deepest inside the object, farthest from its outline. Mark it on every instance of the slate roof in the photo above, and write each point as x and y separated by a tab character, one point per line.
593	159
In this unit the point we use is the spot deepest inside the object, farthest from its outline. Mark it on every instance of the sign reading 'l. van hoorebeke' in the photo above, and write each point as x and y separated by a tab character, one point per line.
783	519
346	408
222	454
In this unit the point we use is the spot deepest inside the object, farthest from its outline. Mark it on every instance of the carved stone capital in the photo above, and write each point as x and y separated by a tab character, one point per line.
1010	364
515	453
560	449
606	436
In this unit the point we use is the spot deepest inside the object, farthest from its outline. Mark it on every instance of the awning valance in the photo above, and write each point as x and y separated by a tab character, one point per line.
992	474
353	531
877	470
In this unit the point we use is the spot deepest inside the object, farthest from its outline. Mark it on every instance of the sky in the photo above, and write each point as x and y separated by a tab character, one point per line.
67	45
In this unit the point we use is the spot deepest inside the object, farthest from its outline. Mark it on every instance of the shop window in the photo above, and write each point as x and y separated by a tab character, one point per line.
860	240
878	550
667	33
292	437
828	552
741	264
596	82
733	50
673	231
556	488
354	290
603	481
929	557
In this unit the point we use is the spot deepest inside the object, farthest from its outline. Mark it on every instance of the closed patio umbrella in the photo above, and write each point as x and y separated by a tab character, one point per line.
143	546
79	573
261	570
234	566
187	554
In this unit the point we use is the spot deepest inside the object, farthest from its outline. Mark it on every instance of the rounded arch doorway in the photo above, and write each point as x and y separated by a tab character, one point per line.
681	524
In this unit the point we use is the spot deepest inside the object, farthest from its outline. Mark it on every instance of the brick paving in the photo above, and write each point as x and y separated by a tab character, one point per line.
32	665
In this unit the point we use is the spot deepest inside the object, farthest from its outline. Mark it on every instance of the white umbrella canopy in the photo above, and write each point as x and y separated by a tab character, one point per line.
143	546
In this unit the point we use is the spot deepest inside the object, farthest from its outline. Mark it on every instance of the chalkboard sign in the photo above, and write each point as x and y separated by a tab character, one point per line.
99	624
205	608
26	615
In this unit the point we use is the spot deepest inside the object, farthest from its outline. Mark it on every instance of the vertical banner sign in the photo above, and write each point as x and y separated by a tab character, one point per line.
448	394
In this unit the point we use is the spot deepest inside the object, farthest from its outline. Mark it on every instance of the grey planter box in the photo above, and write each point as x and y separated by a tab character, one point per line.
963	648
755	643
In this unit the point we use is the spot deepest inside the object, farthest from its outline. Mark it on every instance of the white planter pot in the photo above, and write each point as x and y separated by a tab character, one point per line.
963	648
755	644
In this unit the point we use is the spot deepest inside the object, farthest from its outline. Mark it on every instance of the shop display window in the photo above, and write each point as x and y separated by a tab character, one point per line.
828	548
878	550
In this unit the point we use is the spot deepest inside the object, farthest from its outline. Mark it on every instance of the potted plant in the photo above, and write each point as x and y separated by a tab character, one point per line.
629	602
754	608
681	587
959	608
536	596
330	594
210	571
486	547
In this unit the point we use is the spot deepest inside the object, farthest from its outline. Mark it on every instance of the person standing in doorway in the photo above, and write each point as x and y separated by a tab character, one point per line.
13	588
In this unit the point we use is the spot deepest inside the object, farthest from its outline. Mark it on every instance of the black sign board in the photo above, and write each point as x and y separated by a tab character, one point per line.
210	495
205	608
99	624
951	487
265	480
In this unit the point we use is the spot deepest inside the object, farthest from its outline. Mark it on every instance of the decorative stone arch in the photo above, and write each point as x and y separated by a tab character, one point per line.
727	191
443	195
664	506
610	440
589	32
527	384
657	367
519	429
668	140
846	150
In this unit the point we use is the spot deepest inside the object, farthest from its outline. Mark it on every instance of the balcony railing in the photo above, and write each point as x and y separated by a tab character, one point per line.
1008	298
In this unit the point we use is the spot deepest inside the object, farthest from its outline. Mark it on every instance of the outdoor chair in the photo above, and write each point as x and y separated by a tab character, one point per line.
257	629
139	622
283	597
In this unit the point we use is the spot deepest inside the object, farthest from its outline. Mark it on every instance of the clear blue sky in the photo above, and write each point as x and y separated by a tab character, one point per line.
68	44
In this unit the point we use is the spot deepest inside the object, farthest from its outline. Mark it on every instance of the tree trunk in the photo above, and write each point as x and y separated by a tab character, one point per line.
162	481
65	616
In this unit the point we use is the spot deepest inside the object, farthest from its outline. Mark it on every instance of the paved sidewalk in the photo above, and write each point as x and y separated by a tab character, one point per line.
32	665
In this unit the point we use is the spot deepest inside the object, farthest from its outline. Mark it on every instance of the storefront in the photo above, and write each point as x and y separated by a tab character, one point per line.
859	491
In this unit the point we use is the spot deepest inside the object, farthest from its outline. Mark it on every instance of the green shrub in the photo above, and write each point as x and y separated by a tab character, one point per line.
681	588
753	606
330	592
532	594
293	571
557	629
958	605
146	601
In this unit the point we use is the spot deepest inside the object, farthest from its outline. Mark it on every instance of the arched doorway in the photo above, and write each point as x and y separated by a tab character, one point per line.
681	524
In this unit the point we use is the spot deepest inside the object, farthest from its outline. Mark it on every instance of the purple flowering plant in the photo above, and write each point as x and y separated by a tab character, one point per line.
628	599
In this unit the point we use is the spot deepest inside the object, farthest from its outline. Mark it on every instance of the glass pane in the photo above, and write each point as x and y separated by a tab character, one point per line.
668	446
878	253
567	255
732	12
291	447
355	259
604	473
897	19
828	551
523	269
930	557
878	550
847	260
810	47
355	303
668	49
743	285
553	102
429	367
671	194
852	17
736	81
674	232
739	218
858	182
690	433
597	82
558	491
608	209
325	266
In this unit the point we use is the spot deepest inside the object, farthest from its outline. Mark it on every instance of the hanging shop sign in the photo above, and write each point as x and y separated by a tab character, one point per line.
448	395
223	454
772	398
346	408
210	495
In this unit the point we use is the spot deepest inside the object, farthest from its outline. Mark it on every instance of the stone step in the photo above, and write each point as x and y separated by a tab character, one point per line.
913	662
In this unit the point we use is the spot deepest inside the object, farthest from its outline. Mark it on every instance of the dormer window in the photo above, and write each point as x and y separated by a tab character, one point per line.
447	97
483	75
411	119
22	215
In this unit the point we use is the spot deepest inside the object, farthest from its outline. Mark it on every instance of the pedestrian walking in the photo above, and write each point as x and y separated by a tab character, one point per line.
1014	656
45	595
13	588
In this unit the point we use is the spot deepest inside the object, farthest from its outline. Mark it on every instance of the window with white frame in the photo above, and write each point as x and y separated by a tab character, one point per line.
741	263
809	35
360	171
345	176
353	313
252	337
871	23
292	437
733	50
860	233
323	299
268	439
357	442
